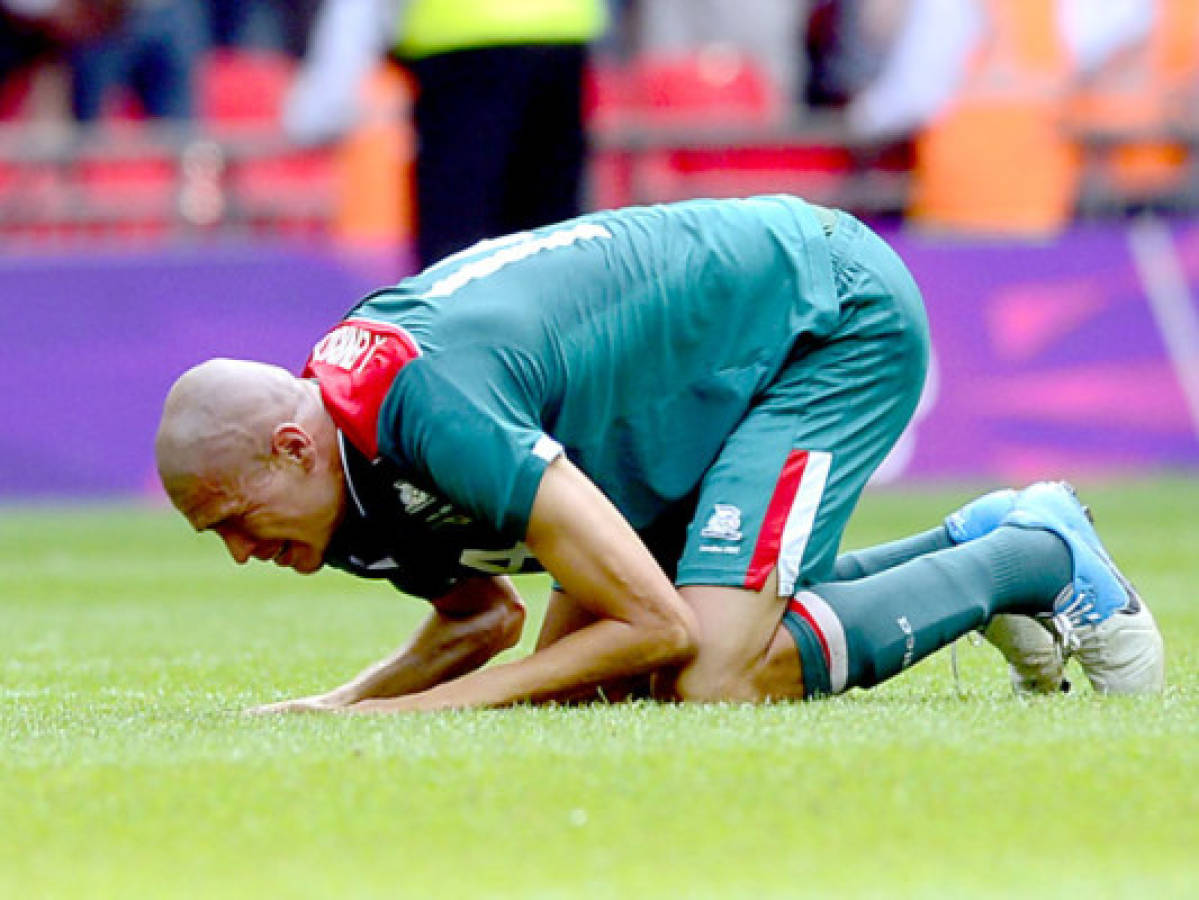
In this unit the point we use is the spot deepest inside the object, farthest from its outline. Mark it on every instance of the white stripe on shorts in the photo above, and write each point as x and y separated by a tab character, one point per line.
800	518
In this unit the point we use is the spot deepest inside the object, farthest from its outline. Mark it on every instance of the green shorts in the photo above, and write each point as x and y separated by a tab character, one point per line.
781	491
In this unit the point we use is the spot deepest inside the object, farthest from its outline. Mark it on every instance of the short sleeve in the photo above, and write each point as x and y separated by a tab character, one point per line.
471	425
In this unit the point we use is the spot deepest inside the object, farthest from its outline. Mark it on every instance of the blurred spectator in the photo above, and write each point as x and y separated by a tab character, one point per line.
845	45
57	22
39	33
1137	75
938	44
151	50
768	31
922	70
617	43
498	113
348	39
281	25
984	86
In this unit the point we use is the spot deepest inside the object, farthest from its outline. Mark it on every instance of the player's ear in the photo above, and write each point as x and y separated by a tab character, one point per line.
291	442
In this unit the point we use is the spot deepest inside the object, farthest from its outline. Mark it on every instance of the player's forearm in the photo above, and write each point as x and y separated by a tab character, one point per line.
447	651
446	646
599	653
641	623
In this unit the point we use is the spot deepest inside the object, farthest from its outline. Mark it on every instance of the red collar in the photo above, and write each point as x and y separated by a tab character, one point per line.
355	365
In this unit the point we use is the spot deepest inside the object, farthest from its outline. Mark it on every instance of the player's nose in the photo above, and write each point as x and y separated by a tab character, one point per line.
239	547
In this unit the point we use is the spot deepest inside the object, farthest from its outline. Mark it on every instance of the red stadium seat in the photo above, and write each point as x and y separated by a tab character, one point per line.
609	100
131	196
271	187
718	86
651	105
14	93
239	88
290	192
712	123
707	117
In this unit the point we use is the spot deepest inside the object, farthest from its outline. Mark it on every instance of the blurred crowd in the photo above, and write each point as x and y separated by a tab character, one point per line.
71	57
1006	109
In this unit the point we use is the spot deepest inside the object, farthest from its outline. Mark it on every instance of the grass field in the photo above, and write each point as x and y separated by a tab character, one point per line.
128	645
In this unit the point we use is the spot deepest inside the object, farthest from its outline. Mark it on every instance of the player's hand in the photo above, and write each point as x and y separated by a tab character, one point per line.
424	701
314	703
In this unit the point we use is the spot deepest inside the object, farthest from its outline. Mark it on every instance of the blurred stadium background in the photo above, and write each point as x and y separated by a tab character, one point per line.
1036	162
1048	212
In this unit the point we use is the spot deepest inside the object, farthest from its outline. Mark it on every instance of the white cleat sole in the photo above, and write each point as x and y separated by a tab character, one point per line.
1124	654
1035	661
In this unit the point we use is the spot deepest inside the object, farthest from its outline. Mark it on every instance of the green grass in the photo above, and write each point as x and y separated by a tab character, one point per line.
128	645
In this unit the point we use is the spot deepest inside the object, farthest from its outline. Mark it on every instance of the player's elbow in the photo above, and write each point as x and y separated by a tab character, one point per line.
499	626
508	624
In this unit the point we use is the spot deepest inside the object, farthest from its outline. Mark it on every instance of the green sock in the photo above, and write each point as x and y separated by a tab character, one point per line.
860	633
872	560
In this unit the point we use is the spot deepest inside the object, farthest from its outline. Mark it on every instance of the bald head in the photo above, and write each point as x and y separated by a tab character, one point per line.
219	418
248	451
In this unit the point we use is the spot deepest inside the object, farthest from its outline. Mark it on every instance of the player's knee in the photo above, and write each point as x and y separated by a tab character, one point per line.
708	684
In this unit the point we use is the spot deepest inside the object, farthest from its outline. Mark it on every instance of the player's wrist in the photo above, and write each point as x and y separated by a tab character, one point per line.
344	695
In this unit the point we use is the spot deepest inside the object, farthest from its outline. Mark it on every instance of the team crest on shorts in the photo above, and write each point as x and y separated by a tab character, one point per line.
724	523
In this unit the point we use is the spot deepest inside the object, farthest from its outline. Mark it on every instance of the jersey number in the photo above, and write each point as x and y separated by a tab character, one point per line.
511	250
496	562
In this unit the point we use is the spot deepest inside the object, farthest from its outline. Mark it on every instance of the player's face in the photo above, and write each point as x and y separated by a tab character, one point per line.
276	513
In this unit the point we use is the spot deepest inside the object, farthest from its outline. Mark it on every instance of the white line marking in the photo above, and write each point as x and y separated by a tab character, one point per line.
1169	296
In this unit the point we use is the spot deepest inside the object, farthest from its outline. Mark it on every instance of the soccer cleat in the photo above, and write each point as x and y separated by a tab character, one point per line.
1098	617
980	516
1035	660
1124	654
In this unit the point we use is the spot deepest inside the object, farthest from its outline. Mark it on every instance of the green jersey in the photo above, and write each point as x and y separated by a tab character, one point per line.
634	341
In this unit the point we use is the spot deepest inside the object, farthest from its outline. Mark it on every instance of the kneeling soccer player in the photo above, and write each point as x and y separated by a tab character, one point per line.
673	410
